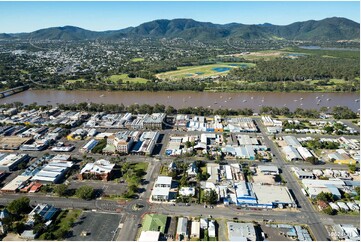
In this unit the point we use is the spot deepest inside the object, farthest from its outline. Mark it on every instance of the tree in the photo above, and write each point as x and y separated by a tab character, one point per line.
210	197
313	160
19	206
352	168
325	196
328	210
85	192
61	189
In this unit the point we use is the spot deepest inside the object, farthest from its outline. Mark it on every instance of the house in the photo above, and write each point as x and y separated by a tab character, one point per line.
161	188
212	229
241	231
172	166
195	229
187	191
203	223
182	229
4	214
46	211
192	169
101	170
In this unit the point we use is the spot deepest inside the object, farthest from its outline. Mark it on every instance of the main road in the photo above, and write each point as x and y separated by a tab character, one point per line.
312	217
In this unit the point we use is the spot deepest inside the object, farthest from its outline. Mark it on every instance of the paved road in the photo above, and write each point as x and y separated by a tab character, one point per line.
311	216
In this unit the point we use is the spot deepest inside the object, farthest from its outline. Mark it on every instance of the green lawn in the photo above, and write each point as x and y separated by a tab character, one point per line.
77	80
200	71
125	78
143	166
63	222
137	60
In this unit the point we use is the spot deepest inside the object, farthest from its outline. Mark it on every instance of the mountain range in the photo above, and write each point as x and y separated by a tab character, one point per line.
327	29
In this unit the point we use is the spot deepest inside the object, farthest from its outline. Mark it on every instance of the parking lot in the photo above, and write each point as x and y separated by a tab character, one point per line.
104	224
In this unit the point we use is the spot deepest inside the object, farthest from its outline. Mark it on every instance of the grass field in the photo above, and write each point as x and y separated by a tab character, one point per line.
200	71
72	81
137	60
125	78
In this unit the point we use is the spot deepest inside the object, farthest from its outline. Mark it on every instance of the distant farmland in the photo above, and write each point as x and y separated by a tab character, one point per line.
202	71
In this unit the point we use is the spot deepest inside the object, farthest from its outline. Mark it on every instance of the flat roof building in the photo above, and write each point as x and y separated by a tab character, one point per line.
268	170
241	232
11	161
273	196
149	236
291	153
100	169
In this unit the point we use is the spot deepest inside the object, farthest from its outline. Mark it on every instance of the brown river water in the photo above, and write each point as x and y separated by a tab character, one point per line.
234	100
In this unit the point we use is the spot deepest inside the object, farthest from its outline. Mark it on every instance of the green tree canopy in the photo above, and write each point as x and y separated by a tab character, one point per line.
85	192
210	197
19	206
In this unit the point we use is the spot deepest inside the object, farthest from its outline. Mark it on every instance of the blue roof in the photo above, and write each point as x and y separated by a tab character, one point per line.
47	212
352	183
334	190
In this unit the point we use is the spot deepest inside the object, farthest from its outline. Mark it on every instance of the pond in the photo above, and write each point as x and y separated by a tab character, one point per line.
221	69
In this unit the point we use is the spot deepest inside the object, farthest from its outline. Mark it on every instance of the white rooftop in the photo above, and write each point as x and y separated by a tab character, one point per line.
165	180
149	236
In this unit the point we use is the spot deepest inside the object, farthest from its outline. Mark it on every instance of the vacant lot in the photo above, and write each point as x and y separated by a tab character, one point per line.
99	226
202	71
12	142
273	234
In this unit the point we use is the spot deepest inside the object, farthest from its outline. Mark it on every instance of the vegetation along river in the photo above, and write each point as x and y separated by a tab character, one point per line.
252	100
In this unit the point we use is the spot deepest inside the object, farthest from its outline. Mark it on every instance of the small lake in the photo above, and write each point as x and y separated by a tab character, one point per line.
221	69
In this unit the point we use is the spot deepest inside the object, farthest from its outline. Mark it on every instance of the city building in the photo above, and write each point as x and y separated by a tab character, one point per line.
100	170
241	232
11	161
161	188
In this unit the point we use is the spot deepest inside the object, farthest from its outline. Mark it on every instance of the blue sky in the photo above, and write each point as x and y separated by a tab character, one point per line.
29	16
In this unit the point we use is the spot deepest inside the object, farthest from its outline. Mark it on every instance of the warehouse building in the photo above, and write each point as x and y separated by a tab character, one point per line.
291	153
269	196
304	152
241	232
11	161
292	141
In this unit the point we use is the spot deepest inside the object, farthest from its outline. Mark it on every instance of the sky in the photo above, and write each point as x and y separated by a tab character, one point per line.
18	17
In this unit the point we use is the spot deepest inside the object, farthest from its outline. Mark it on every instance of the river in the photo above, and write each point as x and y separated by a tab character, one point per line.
233	100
